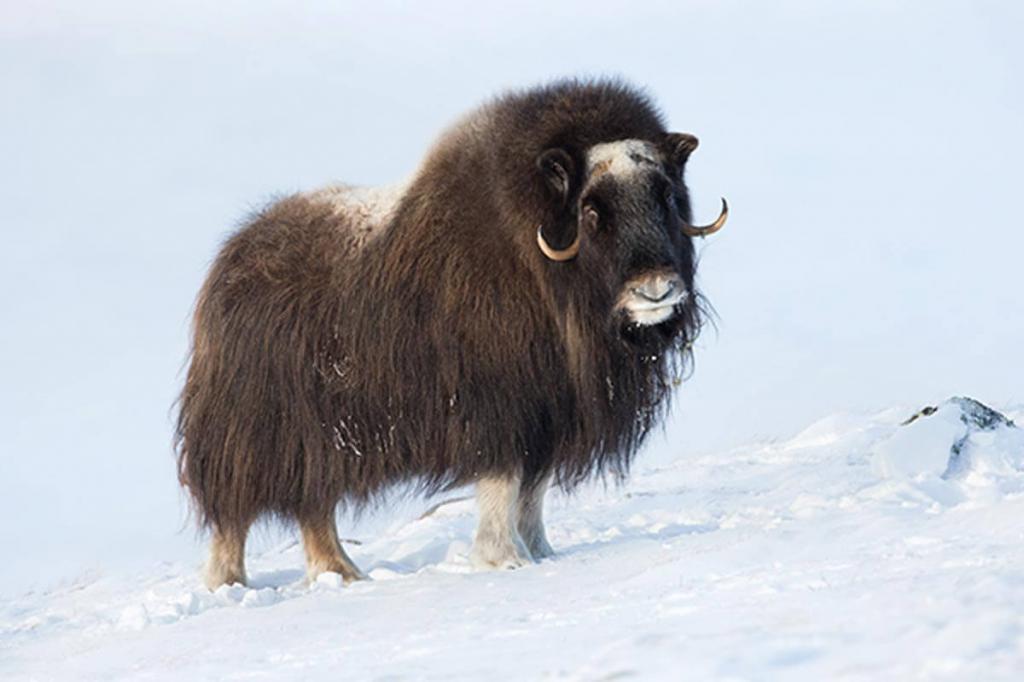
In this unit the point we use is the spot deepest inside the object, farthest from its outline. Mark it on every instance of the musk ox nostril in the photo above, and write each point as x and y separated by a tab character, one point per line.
657	289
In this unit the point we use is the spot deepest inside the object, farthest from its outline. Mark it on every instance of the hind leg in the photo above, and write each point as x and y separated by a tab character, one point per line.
324	552
497	543
227	557
531	517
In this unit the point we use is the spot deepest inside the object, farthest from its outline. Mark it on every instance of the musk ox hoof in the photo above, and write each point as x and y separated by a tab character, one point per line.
216	577
336	575
334	579
498	563
540	549
488	555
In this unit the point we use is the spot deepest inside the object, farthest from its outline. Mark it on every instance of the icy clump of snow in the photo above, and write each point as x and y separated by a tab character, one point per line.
328	581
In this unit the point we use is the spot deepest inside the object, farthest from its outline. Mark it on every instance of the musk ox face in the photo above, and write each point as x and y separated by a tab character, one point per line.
630	208
632	216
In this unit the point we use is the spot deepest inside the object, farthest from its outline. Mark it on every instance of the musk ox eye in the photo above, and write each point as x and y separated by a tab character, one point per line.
591	216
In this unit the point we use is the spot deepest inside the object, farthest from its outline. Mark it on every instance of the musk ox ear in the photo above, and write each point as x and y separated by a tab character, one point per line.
558	170
679	146
557	235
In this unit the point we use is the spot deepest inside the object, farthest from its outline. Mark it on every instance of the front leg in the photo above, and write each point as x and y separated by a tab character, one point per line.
497	543
531	517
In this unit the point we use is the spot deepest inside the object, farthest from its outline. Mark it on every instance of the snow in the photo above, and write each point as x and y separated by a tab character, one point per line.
853	550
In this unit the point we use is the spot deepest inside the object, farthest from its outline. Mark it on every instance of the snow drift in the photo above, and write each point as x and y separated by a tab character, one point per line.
865	547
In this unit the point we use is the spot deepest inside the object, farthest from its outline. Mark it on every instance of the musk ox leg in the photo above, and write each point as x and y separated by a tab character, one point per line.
324	552
227	558
531	517
497	543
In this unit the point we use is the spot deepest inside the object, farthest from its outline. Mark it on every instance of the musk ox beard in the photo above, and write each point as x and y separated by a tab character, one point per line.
517	314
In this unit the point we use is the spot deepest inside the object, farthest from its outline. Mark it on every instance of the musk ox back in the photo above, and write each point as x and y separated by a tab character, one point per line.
517	313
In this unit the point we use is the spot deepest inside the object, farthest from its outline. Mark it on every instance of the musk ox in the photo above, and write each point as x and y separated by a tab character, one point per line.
516	314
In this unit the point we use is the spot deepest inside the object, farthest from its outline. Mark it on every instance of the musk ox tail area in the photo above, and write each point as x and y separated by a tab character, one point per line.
251	424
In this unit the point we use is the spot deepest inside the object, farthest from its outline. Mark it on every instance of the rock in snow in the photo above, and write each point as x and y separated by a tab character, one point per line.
864	548
959	443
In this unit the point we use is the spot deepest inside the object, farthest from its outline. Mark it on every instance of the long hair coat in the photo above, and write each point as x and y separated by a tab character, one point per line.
333	358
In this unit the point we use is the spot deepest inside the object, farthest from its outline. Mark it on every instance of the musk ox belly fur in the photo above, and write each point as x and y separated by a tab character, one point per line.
347	340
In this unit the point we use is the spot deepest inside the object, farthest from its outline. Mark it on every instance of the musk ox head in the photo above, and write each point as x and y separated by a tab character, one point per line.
623	208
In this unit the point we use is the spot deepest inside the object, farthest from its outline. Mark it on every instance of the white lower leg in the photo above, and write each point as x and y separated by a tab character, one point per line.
497	543
531	519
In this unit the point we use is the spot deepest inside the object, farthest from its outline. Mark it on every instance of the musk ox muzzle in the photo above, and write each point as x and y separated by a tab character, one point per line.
652	298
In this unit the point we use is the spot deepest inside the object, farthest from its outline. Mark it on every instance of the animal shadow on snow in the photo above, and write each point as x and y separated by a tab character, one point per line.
653	531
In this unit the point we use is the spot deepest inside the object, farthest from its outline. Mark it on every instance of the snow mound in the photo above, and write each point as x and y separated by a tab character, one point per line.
957	451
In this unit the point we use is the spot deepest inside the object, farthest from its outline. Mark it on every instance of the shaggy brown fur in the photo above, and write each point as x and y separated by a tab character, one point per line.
445	348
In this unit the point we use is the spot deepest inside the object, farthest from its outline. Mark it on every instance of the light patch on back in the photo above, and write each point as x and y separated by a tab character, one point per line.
622	158
366	209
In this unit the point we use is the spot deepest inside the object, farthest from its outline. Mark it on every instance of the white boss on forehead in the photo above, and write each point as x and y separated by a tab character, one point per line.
621	158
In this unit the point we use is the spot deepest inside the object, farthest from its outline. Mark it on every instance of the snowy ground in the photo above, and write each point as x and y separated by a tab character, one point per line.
859	549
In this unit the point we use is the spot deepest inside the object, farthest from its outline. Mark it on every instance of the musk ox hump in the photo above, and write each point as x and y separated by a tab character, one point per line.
366	210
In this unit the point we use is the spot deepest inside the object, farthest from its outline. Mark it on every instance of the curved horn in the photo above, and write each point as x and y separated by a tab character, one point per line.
558	255
705	230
